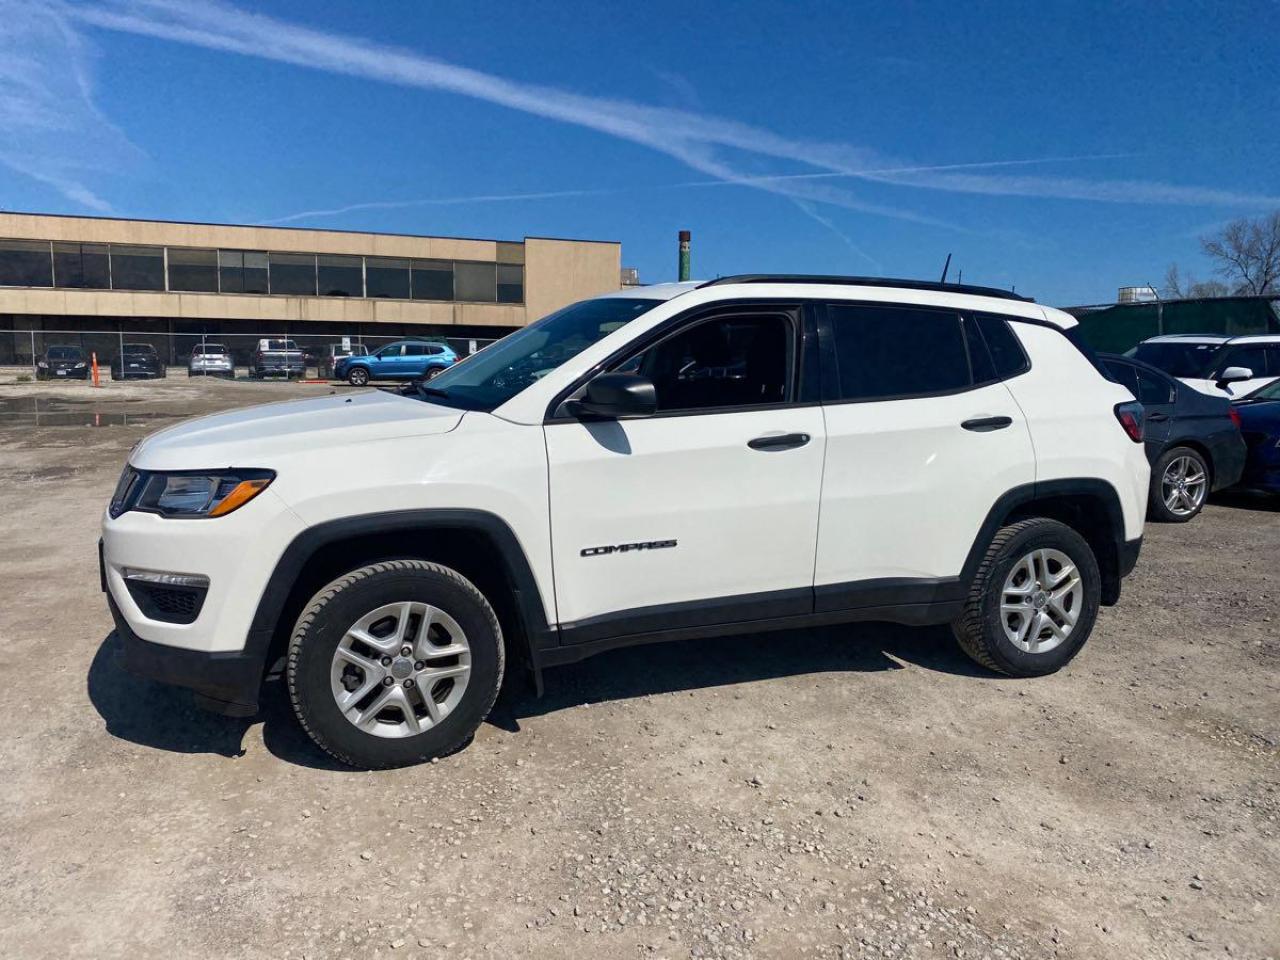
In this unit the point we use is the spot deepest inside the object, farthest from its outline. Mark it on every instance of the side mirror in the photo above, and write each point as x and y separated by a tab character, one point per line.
614	395
1234	375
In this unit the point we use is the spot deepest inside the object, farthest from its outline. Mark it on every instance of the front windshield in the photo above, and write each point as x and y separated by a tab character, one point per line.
1191	360
65	353
493	376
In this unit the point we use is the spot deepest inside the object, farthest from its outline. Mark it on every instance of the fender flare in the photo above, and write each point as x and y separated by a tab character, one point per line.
288	569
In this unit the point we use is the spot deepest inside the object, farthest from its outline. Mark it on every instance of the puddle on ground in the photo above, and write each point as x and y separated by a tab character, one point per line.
59	412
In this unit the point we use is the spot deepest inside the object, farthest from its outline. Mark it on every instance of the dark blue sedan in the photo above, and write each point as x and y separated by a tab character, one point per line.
1260	424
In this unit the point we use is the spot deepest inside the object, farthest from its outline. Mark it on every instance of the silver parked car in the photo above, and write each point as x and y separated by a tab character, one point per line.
211	360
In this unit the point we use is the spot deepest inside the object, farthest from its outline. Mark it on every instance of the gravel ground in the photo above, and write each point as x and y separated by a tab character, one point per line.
844	792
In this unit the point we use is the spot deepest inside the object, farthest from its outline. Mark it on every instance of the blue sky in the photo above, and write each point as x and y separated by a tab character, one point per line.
1065	148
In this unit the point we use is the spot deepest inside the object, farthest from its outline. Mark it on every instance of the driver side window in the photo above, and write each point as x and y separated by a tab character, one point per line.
732	361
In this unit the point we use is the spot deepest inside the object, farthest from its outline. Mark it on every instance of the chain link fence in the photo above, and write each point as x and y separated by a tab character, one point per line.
125	351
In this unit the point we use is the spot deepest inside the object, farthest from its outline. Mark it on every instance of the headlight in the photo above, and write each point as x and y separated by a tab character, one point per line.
41	363
187	494
80	365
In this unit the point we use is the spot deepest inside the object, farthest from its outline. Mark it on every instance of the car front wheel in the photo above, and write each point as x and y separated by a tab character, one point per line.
395	663
358	377
1033	601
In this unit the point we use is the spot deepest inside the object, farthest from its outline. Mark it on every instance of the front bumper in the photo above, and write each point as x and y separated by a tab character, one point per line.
226	683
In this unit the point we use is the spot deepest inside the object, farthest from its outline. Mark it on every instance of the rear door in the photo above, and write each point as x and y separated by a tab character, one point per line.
922	439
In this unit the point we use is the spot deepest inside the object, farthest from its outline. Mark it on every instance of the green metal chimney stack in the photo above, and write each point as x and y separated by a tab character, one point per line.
684	254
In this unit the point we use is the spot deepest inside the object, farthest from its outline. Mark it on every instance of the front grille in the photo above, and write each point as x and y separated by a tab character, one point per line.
168	604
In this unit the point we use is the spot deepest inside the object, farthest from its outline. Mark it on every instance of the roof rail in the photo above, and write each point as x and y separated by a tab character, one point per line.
870	282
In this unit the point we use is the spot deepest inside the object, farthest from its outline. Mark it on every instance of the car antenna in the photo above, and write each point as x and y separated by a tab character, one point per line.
945	267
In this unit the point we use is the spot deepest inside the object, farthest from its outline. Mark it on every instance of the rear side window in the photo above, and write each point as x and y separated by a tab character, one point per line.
884	352
1153	388
1124	374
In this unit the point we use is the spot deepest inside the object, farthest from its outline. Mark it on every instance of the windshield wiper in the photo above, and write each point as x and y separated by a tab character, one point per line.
432	391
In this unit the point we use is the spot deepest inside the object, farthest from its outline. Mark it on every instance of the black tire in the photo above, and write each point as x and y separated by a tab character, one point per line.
343	602
358	377
1157	509
432	372
980	628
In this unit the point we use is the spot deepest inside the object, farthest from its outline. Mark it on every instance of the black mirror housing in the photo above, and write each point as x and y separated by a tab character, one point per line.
614	395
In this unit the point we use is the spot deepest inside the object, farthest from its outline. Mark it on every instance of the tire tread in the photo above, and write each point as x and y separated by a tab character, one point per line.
326	595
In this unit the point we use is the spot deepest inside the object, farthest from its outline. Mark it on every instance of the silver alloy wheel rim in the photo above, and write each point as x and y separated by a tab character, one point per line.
400	670
1041	601
1183	486
359	378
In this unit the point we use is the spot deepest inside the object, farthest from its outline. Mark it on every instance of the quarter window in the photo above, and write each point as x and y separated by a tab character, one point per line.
886	352
1153	389
737	361
1007	355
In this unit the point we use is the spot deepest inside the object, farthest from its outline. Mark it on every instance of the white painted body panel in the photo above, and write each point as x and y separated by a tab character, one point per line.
745	521
483	464
906	489
1070	409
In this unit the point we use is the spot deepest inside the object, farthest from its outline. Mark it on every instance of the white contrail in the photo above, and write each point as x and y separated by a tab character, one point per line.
694	139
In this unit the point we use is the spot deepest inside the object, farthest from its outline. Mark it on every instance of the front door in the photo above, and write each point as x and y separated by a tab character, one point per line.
704	513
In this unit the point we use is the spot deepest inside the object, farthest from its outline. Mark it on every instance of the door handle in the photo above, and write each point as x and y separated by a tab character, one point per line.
781	441
1157	417
987	424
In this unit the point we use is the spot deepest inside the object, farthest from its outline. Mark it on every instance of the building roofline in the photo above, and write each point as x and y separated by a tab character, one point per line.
272	226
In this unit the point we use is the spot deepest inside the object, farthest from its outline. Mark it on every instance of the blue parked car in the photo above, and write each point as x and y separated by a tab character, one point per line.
1260	424
402	360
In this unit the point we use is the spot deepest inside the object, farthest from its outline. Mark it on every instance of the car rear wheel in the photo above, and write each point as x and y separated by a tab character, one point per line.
358	377
395	663
1033	602
431	373
1179	486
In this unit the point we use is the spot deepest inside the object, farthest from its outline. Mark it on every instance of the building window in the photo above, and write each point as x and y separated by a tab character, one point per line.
340	276
83	265
193	270
386	277
137	268
25	263
432	280
475	282
293	273
510	283
242	271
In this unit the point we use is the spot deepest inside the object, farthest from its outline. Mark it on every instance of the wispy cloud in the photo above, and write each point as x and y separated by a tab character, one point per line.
50	128
713	146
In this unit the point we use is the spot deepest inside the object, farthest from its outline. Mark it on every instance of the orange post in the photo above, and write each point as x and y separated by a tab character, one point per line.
94	355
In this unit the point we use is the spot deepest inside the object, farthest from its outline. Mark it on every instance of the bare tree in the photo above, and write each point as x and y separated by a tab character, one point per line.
1178	287
1247	254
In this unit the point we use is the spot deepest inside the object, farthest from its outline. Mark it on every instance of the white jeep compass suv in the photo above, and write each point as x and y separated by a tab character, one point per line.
667	462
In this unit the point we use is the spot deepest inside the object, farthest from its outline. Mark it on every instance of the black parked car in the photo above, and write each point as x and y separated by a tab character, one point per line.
62	363
137	361
1193	440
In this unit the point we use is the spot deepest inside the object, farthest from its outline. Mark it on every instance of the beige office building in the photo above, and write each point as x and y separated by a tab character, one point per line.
94	281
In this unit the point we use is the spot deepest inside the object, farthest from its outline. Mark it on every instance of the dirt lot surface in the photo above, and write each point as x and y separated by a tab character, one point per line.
846	792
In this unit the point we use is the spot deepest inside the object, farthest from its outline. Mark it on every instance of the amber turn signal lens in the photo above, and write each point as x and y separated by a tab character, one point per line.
244	491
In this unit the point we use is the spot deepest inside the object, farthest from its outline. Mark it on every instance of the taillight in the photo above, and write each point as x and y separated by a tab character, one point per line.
1130	416
1235	417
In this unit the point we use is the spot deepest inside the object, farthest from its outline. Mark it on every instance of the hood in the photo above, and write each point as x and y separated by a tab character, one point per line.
261	436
